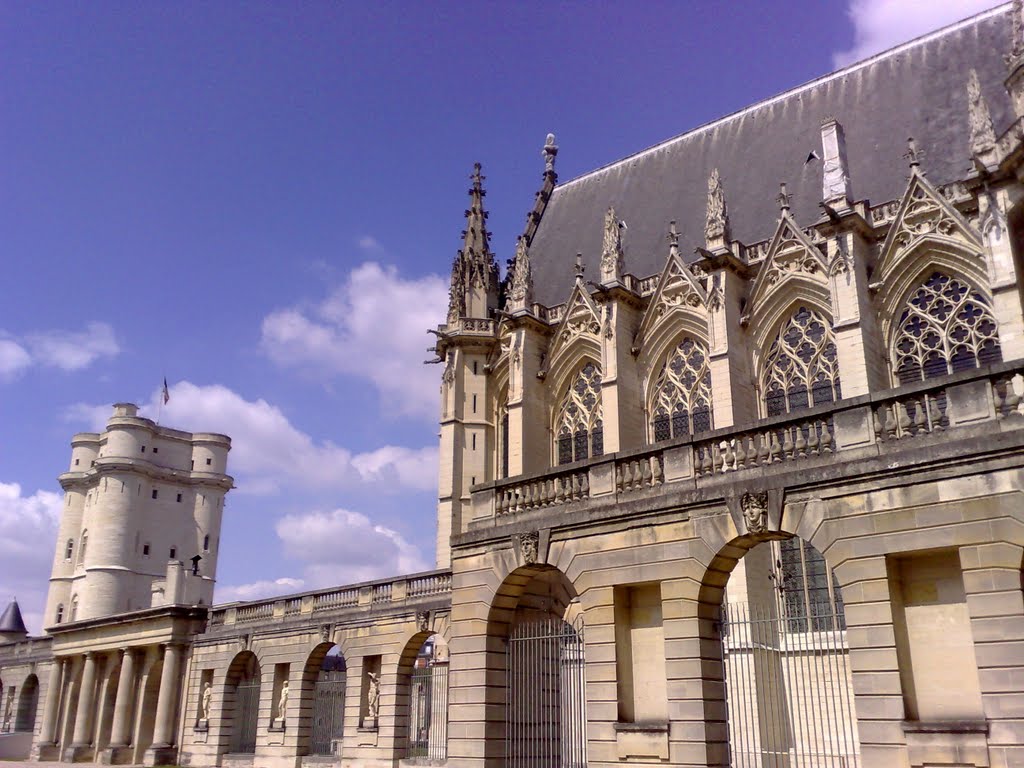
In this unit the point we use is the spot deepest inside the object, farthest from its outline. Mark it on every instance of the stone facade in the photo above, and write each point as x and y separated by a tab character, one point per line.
759	505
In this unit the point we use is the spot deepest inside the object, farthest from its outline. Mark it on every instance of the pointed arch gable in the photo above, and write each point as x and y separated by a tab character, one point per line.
925	216
677	297
580	319
793	262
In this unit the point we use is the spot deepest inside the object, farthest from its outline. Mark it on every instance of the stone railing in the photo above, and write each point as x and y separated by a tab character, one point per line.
989	398
375	594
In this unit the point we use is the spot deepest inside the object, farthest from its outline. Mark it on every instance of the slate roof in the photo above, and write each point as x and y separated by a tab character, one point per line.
917	89
11	620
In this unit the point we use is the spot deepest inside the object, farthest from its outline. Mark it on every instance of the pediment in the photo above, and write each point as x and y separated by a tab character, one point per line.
924	214
791	254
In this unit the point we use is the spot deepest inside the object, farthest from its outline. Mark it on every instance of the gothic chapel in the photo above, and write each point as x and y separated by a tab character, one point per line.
732	475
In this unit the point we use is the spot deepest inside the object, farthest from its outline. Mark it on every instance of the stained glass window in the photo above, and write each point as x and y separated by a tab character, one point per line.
946	326
579	430
801	368
682	393
811	598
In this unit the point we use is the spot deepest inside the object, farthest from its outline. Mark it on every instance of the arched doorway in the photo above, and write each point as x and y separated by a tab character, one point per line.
423	699
536	671
242	703
324	683
788	683
28	703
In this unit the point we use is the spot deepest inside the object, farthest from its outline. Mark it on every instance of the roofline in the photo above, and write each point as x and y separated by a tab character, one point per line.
999	9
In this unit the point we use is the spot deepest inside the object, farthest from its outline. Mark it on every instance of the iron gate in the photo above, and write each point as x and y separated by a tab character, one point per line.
428	713
788	687
546	706
328	713
246	717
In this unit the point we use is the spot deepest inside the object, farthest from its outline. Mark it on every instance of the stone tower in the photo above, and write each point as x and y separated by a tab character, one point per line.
140	501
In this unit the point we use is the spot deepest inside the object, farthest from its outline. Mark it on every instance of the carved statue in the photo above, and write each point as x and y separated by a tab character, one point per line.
528	546
373	695
521	285
456	294
1017	34
716	225
423	620
549	152
206	701
282	703
755	511
611	249
983	136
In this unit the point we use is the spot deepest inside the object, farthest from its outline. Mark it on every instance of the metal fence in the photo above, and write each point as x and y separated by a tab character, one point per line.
328	713
546	704
246	717
428	713
789	694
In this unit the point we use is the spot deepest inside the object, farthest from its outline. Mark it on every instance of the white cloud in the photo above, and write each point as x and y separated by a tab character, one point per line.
14	358
28	532
268	451
369	243
257	590
881	24
67	350
342	547
373	326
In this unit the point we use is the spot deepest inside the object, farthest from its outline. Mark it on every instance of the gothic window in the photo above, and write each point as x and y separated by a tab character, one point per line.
801	369
579	430
811	598
946	326
682	394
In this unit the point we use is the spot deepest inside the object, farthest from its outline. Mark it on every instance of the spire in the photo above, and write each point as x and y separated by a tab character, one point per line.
520	287
474	281
12	625
983	136
716	223
835	187
611	248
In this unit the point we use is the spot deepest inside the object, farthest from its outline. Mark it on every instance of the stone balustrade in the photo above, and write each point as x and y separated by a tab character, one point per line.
848	430
384	592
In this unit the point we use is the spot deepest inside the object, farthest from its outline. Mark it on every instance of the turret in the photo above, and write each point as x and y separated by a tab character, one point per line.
12	626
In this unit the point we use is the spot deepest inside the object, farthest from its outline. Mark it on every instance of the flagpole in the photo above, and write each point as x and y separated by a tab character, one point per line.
165	396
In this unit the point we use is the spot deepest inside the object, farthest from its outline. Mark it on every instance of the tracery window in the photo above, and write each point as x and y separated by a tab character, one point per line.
801	368
682	393
946	326
579	429
812	600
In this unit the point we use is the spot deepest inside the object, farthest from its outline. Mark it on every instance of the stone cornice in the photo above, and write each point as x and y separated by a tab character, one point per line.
111	464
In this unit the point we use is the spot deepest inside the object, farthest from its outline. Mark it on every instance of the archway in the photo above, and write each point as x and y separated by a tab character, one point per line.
777	615
323	687
422	699
241	707
535	672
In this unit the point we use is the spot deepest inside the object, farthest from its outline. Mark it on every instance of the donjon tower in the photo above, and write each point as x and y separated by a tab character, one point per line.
140	502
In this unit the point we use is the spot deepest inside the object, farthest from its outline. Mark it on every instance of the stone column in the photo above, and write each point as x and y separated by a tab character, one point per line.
167	701
84	716
119	733
48	732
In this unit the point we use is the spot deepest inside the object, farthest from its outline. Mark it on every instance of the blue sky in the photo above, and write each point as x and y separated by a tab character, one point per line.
260	202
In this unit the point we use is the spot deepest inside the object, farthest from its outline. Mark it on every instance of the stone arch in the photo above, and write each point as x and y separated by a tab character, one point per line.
322	699
769	314
532	591
239	718
421	698
745	658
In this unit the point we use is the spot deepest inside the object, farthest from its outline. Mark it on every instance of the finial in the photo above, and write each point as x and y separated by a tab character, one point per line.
673	238
549	152
579	268
478	179
783	198
913	155
1017	34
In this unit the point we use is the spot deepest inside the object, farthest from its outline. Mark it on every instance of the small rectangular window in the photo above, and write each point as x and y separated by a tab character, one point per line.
206	543
154	493
179	498
143	449
145	550
474	403
209	462
156	450
193	463
76	462
174	552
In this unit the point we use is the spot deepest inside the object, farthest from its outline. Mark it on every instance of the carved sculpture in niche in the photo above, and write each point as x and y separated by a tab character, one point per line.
282	703
373	695
206	700
716	226
423	620
983	137
755	511
528	547
325	632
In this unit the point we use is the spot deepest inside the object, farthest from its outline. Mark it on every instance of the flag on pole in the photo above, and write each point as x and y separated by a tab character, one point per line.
167	394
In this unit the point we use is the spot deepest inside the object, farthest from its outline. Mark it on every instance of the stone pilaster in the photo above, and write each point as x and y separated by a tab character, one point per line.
732	381
621	389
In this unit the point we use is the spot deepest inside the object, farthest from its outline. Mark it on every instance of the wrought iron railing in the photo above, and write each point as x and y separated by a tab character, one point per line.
917	410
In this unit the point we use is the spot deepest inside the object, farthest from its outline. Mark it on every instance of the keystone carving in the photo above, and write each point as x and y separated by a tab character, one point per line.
528	546
755	511
423	620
